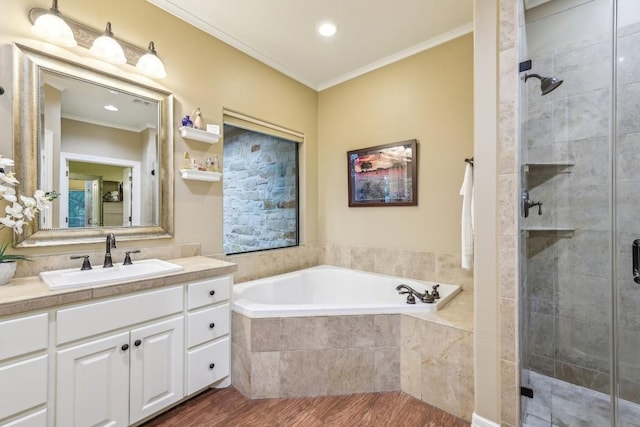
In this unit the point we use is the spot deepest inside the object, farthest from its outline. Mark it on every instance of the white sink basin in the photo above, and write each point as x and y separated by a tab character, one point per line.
74	277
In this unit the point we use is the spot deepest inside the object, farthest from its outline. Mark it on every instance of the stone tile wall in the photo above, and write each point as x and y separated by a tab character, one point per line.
260	191
410	264
429	356
315	356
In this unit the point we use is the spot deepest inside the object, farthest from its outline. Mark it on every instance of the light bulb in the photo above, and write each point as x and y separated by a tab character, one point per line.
52	27
107	47
151	64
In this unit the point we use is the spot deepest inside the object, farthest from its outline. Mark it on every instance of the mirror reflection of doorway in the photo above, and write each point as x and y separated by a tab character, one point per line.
84	200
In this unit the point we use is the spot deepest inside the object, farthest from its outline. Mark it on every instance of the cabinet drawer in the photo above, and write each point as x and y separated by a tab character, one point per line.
37	419
91	319
23	385
200	372
209	292
23	335
207	324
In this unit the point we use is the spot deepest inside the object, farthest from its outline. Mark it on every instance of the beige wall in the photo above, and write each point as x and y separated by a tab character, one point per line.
101	141
428	97
202	72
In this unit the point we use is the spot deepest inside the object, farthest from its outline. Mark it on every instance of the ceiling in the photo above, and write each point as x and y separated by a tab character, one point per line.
133	113
371	33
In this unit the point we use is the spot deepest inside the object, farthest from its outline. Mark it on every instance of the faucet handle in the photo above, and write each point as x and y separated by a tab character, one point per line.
435	292
127	256
86	265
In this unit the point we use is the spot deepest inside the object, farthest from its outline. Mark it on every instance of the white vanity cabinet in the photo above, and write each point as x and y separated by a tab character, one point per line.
117	360
126	376
23	370
208	327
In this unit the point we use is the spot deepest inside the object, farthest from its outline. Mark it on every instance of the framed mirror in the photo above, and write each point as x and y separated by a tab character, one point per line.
104	144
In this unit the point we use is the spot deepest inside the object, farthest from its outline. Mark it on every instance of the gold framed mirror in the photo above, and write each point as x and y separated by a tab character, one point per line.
65	127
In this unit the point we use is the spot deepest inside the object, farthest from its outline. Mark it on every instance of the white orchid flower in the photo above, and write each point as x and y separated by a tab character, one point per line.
9	178
7	221
14	210
30	213
9	194
28	202
18	226
26	209
42	200
6	162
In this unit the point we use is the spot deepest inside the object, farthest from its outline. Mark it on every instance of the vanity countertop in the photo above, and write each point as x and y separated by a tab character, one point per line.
31	293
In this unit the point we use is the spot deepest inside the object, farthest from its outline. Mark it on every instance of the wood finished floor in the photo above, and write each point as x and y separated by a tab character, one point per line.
227	407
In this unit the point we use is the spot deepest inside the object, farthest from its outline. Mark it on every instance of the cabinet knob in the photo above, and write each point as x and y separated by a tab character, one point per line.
125	347
137	343
212	365
212	292
212	325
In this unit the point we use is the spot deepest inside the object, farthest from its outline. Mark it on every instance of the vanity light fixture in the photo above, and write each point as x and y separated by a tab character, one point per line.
101	44
151	64
51	26
327	29
106	47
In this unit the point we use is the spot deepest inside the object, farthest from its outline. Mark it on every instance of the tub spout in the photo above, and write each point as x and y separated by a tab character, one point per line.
424	297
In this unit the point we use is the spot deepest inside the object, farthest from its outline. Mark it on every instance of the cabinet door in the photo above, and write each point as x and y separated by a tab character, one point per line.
157	367
23	385
93	383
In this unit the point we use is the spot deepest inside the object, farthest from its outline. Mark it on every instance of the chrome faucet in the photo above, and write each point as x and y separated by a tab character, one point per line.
110	243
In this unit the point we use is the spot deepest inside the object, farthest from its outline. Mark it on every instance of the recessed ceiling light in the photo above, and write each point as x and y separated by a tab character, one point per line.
110	107
327	29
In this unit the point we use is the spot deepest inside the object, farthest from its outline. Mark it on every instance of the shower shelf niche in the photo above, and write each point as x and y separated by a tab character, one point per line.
547	168
557	231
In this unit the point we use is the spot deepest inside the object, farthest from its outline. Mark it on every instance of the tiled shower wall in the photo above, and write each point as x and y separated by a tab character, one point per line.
568	283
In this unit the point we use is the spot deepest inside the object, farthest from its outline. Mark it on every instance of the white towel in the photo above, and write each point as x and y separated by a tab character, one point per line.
466	231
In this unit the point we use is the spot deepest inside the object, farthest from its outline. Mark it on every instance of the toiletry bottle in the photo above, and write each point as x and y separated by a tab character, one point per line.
209	165
216	164
186	164
194	165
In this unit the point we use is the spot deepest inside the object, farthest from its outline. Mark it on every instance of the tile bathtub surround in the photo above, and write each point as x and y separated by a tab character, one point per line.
315	356
257	265
429	356
410	264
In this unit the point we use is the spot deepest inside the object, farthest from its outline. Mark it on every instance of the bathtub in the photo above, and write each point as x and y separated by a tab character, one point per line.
326	290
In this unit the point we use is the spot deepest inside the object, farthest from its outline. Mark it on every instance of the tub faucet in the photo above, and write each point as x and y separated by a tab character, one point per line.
110	243
412	294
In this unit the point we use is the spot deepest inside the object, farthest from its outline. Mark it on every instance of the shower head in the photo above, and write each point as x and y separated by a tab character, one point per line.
547	84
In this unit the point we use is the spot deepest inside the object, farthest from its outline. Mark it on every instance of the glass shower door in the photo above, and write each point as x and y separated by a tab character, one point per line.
627	212
566	245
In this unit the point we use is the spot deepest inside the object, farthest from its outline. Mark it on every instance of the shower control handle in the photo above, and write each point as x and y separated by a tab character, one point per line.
635	250
528	204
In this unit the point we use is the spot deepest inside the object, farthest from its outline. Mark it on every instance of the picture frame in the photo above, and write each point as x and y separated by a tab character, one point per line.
384	175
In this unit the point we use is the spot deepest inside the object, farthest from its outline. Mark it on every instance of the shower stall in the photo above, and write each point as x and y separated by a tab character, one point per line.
580	187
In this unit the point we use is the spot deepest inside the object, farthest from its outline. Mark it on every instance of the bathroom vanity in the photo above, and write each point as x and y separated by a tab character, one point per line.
113	354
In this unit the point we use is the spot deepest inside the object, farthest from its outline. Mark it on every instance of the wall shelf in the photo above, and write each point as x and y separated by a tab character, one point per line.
547	168
199	135
559	231
195	175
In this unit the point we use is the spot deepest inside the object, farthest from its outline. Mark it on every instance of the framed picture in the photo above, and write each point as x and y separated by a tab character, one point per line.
385	175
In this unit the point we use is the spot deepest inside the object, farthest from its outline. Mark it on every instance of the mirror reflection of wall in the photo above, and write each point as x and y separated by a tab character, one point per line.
94	131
